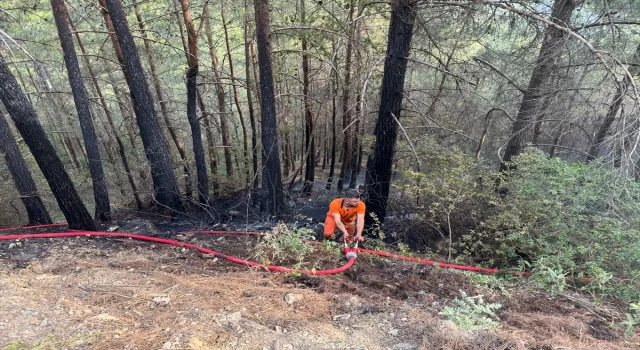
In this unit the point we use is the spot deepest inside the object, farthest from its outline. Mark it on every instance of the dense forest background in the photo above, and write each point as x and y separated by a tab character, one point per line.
508	130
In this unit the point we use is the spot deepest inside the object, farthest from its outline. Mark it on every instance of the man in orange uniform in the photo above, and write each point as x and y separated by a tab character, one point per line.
343	215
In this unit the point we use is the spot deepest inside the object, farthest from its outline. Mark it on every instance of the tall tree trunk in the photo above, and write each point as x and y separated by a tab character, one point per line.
173	132
614	107
36	211
221	94
252	117
380	163
112	126
334	95
164	180
100	192
27	123
353	161
236	98
271	176
346	109
309	150
550	50
196	134
211	147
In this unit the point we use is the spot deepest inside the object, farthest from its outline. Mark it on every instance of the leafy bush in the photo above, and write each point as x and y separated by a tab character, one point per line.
472	313
561	220
283	245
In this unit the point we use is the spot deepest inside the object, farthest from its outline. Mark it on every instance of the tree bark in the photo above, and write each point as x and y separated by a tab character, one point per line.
162	101
192	76
27	123
164	180
252	117
614	107
550	51
379	165
221	95
334	95
236	99
112	126
100	192
309	150
271	176
346	109
36	211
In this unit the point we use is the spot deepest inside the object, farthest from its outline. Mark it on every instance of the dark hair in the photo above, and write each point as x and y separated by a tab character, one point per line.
352	194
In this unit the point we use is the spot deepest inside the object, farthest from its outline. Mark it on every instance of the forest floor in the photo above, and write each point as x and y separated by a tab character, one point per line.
113	293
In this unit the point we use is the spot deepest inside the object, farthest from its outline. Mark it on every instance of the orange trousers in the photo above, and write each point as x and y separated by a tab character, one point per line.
330	227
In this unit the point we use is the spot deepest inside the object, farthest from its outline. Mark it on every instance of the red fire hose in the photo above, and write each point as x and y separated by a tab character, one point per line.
351	253
181	244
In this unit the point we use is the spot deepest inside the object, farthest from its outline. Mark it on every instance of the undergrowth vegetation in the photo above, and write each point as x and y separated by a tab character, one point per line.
561	220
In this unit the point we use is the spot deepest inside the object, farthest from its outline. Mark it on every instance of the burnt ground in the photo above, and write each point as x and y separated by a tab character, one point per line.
114	293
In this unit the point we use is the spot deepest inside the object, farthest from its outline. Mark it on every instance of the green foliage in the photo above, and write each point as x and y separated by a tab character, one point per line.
472	313
570	220
284	244
633	319
563	221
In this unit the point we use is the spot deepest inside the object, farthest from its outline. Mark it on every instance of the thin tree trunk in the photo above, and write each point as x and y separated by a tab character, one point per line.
236	99
100	192
211	147
334	94
252	117
256	75
550	50
162	101
271	177
196	134
355	146
221	94
123	105
36	211
309	175
112	126
346	109
379	165
28	124
614	107
164	180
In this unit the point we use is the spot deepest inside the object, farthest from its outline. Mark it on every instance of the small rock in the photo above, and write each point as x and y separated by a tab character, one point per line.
291	298
405	346
66	247
233	317
182	238
113	228
278	329
404	319
162	299
43	323
393	332
12	245
247	293
342	317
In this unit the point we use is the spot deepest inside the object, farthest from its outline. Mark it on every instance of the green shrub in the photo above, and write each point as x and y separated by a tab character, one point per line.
472	313
561	220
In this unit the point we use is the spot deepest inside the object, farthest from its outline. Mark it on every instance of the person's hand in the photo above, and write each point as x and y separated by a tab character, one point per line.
358	238
347	238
